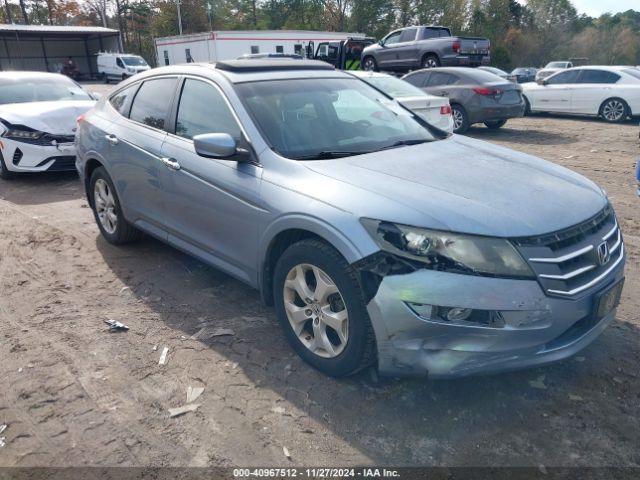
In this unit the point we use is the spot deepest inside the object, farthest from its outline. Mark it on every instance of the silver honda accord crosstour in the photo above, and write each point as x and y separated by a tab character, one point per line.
380	240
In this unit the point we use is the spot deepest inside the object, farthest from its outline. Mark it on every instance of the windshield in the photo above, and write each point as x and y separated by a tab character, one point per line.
310	119
134	61
394	87
25	90
557	65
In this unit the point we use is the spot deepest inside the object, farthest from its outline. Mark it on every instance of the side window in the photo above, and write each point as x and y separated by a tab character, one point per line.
119	63
333	52
297	49
392	38
187	54
408	35
119	100
418	79
166	57
255	49
323	50
440	78
279	49
598	76
202	109
151	103
564	77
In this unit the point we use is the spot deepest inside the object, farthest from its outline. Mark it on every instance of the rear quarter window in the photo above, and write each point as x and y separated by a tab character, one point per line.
120	100
151	103
598	76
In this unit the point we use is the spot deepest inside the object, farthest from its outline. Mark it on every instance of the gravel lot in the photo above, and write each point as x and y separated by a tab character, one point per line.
74	394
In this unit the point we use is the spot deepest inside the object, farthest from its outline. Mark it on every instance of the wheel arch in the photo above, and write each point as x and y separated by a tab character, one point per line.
430	54
278	238
90	166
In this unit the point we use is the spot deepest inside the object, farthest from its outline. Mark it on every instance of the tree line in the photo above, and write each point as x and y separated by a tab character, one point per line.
528	34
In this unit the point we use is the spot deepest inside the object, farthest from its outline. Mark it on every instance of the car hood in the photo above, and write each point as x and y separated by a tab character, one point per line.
57	118
463	185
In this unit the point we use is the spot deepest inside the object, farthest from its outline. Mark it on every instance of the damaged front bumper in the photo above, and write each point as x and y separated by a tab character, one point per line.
534	328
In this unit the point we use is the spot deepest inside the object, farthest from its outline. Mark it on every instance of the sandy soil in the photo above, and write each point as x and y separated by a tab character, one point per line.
71	393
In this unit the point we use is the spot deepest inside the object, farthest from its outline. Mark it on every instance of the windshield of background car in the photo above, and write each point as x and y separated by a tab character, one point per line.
25	90
134	61
394	87
556	65
328	117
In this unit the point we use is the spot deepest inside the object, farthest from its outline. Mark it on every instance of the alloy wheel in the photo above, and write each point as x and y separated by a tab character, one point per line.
613	110
105	204
458	118
316	310
369	64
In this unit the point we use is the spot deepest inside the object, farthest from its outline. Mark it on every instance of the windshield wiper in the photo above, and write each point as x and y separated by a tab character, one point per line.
403	143
329	154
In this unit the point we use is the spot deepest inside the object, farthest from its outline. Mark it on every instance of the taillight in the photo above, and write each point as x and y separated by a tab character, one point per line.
456	46
445	110
80	119
487	91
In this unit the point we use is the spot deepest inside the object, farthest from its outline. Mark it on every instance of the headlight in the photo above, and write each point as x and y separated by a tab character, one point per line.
454	252
22	134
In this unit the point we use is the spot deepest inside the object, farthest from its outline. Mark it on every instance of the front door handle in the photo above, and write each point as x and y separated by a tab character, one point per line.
171	163
112	139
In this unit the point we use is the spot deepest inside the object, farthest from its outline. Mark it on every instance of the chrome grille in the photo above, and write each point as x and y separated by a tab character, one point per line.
574	261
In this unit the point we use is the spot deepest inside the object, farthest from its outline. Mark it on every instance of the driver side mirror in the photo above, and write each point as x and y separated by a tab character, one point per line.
218	145
542	82
381	43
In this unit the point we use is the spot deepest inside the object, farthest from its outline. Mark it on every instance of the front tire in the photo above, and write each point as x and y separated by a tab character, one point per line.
460	119
5	173
495	124
614	110
369	64
320	307
107	211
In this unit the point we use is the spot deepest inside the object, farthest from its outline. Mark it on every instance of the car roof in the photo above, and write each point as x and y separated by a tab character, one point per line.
368	74
249	70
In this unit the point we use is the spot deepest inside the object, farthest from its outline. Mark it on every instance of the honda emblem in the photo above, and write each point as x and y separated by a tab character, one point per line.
604	255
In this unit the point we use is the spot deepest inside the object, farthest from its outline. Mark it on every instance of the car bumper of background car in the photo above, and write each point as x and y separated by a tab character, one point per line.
536	329
465	60
26	157
495	111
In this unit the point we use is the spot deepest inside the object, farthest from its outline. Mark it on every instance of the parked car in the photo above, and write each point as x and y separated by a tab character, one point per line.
120	66
611	93
435	110
551	68
498	72
475	96
38	114
377	241
424	47
525	74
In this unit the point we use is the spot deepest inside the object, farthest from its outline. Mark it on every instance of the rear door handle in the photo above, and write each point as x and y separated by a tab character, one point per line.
112	139
171	163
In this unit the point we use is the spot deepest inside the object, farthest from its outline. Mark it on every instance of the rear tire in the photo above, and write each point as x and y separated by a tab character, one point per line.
5	173
369	64
495	124
614	110
107	211
430	61
460	119
527	107
351	350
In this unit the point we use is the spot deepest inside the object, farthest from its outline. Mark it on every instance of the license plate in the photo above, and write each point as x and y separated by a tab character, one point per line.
608	300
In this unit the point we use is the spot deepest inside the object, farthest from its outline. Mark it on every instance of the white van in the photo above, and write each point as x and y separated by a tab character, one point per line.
119	66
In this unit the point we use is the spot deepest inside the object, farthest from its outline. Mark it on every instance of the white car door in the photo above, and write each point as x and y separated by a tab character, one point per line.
555	93
593	88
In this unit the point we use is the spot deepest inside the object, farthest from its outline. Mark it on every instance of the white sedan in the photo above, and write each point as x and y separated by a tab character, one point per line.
38	113
434	110
612	93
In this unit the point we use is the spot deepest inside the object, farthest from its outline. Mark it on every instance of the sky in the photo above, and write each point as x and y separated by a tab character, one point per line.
595	8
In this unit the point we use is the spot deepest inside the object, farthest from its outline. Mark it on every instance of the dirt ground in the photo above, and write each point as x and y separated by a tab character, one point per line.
72	394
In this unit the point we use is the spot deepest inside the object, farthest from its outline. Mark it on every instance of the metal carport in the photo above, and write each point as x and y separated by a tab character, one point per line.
45	48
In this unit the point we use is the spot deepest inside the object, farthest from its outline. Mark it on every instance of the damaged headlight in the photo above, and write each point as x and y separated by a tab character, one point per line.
446	251
18	134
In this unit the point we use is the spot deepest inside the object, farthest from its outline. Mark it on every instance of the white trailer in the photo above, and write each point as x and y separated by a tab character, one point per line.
228	45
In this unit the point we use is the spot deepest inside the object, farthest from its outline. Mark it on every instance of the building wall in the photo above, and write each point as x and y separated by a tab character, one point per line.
49	53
